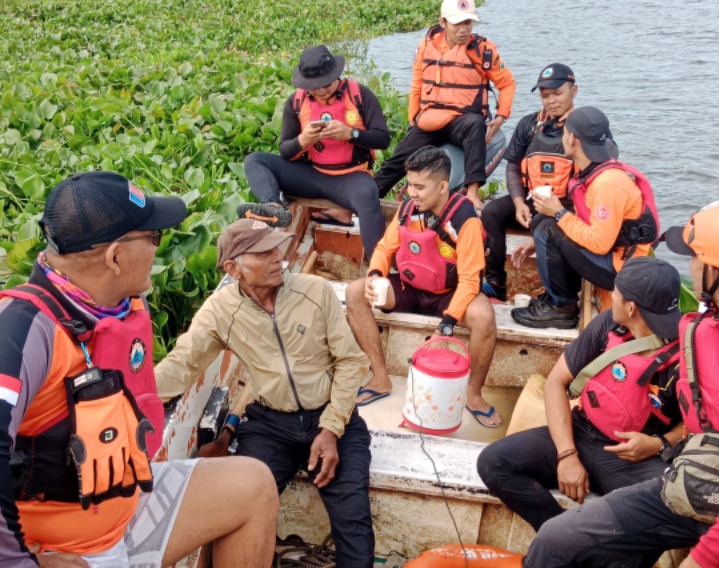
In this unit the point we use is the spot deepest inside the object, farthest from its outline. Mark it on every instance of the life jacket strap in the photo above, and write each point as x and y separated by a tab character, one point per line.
690	360
662	359
608	357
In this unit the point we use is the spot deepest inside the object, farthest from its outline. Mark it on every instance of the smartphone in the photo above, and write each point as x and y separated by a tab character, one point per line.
320	123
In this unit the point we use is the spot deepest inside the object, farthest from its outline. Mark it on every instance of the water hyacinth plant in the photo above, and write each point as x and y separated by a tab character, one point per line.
172	94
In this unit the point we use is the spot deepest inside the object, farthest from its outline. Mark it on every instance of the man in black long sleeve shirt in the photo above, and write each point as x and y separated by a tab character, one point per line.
330	129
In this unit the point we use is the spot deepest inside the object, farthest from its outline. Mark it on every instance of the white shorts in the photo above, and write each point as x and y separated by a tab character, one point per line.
148	532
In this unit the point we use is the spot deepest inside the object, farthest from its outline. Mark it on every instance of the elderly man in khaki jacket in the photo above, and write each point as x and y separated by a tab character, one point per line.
290	333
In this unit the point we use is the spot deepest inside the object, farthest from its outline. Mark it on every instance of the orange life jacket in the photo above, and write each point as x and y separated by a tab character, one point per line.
545	162
336	157
453	83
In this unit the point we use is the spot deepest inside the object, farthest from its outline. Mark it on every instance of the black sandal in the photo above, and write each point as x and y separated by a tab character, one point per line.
273	215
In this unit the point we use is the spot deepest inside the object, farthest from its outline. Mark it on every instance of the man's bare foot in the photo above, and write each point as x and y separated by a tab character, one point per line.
475	402
376	384
340	215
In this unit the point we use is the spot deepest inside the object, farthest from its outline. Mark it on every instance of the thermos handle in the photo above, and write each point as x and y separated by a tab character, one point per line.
435	340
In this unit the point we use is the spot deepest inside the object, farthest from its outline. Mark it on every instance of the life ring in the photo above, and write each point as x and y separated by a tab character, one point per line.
478	556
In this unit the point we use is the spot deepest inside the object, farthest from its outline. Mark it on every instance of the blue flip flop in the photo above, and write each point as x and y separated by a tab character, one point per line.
477	413
375	396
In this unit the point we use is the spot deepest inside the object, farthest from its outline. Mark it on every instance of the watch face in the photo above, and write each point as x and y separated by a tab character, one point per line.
447	330
355	133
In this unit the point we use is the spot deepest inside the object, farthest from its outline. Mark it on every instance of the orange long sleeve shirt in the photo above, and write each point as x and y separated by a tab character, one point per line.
469	255
613	198
499	74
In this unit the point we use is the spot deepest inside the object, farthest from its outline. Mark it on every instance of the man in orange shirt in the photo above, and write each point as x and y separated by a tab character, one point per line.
448	99
615	219
436	240
79	413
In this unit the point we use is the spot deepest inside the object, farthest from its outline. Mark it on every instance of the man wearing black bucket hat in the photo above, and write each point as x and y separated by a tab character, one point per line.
615	218
80	419
330	129
625	368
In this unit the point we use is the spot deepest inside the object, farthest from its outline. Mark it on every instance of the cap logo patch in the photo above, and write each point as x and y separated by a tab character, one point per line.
463	5
259	225
547	73
603	213
136	196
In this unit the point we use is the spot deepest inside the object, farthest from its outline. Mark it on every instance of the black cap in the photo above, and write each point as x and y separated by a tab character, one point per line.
554	76
317	68
95	208
653	285
591	126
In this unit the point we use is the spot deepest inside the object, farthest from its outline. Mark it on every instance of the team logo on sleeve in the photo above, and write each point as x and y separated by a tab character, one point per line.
351	117
603	213
137	355
9	389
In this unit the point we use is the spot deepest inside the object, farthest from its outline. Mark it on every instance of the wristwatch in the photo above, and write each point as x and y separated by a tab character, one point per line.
447	330
355	134
561	213
666	446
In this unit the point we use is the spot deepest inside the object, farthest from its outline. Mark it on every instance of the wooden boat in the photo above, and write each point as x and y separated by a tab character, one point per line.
408	501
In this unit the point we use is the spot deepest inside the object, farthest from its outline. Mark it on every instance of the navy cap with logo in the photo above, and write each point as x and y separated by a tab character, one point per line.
100	207
554	76
591	127
653	285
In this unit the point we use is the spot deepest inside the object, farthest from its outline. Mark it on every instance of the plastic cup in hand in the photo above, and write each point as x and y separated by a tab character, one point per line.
381	285
521	300
543	190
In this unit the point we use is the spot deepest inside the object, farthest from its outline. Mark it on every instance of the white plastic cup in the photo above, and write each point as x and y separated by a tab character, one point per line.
381	285
543	190
522	300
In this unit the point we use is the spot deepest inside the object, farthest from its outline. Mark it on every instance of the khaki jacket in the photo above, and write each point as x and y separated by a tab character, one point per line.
302	357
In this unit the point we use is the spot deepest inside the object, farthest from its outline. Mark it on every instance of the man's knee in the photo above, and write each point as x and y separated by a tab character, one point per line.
255	159
543	225
355	293
491	464
551	542
479	317
365	195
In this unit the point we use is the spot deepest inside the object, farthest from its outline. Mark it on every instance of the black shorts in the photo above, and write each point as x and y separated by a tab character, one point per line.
413	301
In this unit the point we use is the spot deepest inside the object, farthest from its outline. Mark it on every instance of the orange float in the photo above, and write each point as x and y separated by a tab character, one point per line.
478	556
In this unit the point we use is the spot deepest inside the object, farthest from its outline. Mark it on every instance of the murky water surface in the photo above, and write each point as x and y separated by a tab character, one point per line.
652	66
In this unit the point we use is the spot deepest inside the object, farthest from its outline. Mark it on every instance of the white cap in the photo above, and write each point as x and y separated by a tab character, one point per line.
456	11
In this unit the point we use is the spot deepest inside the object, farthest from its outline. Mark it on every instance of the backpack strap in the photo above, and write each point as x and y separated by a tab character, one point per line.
48	305
608	357
690	359
662	360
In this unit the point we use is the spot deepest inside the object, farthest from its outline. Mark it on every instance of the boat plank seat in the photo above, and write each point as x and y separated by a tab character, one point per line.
389	208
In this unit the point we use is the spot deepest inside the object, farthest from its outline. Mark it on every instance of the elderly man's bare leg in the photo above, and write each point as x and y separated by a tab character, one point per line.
364	326
232	501
479	318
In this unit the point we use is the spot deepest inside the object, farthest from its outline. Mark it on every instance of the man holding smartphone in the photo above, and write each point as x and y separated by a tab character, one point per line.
330	129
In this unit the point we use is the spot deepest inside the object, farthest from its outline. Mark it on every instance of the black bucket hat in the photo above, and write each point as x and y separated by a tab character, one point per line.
317	68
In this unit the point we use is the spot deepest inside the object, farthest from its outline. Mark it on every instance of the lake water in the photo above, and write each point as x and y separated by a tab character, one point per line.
652	66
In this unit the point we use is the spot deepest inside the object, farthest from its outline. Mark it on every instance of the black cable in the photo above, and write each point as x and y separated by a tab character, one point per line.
434	466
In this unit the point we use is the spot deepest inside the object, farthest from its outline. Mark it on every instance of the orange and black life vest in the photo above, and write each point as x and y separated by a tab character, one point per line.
453	82
96	448
336	157
544	162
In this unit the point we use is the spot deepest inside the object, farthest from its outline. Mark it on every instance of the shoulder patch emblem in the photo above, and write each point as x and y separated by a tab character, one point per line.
351	117
445	250
137	355
415	248
603	213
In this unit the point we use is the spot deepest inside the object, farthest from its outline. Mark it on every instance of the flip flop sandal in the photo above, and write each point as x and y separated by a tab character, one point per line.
329	220
477	413
270	214
374	398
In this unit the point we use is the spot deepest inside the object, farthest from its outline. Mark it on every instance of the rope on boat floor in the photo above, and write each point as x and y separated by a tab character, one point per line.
310	555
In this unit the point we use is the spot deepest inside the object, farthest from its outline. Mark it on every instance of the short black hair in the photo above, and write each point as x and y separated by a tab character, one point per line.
430	158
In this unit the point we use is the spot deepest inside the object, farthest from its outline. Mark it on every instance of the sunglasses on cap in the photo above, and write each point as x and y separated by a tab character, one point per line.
155	238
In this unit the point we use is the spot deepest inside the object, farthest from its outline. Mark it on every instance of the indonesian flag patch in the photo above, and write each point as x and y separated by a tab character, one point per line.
9	389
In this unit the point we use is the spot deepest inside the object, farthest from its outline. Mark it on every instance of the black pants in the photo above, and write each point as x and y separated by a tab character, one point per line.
283	440
268	174
562	263
468	131
521	469
629	528
498	216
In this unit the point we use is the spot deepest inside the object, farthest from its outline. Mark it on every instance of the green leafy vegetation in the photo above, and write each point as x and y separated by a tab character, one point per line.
174	95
